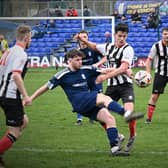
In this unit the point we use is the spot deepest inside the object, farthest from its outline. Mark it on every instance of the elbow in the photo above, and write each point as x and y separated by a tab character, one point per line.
16	75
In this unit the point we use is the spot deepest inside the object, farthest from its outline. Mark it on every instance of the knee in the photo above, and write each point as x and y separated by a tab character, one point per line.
154	98
15	131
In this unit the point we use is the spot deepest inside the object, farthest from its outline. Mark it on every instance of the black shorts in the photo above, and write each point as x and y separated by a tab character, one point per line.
125	92
159	84
13	110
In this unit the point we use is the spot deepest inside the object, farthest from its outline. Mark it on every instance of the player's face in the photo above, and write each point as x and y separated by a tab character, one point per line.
165	37
83	36
120	38
76	62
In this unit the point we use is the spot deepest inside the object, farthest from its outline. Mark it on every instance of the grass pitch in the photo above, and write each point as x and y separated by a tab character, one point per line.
53	141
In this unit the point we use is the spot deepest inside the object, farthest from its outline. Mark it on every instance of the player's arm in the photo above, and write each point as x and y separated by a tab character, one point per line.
150	59
116	71
51	84
39	91
20	85
148	64
106	70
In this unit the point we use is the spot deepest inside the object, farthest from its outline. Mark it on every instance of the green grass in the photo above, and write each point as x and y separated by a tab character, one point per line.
53	141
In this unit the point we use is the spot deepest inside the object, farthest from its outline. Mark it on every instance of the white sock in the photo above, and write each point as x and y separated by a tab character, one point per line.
127	113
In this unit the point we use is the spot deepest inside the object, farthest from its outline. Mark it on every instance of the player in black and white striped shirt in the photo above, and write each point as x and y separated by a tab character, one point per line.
119	56
12	90
159	53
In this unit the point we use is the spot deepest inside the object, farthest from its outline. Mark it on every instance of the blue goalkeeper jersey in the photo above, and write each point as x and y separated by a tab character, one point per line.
75	85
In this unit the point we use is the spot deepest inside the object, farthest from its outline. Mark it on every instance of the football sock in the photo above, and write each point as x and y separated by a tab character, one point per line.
116	107
132	128
112	134
127	113
150	111
6	142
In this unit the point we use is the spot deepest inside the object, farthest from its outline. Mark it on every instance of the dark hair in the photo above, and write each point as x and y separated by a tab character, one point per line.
121	27
164	29
74	53
83	31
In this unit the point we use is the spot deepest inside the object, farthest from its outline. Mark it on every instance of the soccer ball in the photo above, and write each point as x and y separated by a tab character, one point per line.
143	78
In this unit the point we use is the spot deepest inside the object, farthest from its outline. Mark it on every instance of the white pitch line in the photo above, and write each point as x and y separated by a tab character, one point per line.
42	150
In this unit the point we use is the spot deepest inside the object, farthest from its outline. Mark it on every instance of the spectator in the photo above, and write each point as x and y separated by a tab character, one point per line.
58	12
163	9
135	17
152	20
51	24
107	35
38	31
71	12
3	44
87	12
119	17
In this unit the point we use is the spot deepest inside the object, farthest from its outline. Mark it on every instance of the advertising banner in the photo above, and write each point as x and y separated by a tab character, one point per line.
127	7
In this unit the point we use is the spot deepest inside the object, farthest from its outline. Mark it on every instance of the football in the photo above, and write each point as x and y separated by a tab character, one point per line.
143	78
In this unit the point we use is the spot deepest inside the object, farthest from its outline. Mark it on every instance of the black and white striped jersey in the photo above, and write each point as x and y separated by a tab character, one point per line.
159	53
115	56
13	60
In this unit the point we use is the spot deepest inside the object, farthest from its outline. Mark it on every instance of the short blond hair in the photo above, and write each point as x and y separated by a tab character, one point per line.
22	31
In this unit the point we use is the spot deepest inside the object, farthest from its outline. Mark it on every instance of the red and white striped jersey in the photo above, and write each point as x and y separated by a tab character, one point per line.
13	60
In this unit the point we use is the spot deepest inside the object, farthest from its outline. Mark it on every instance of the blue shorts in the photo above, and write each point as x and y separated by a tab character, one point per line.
85	104
92	114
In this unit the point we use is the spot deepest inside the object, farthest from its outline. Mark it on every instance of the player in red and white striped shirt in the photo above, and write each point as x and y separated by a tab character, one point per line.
13	65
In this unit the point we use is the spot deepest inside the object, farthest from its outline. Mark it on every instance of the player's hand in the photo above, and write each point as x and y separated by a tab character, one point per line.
130	73
75	37
95	65
27	101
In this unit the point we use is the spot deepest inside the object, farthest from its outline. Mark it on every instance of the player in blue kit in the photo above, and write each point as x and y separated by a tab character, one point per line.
91	57
91	104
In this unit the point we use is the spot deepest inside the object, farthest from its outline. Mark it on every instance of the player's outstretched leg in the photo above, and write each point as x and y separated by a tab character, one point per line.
130	116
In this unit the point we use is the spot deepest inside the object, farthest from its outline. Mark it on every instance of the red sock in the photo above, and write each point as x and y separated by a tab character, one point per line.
6	142
151	109
132	128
